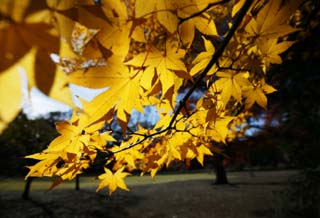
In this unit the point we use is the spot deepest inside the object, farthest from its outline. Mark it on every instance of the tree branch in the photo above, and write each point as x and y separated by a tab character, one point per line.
213	61
214	58
181	20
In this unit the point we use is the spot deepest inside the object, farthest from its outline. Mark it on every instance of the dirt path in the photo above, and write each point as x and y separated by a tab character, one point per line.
247	197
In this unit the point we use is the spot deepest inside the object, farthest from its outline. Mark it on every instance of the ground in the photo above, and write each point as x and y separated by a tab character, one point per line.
191	195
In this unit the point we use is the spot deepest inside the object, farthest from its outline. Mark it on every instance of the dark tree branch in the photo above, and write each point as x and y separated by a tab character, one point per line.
142	140
214	58
181	20
213	61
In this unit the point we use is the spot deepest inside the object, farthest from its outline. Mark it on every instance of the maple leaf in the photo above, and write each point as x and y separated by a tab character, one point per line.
188	151
257	94
163	64
116	11
202	150
113	181
72	148
270	50
29	36
231	84
203	23
26	29
123	94
143	8
128	156
25	49
272	19
166	16
113	34
46	166
219	129
202	60
10	104
175	146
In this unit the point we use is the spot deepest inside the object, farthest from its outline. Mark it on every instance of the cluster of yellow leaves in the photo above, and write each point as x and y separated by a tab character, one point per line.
72	151
143	53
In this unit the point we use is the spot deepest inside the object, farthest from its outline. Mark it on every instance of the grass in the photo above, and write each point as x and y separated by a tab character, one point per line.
16	184
179	195
42	184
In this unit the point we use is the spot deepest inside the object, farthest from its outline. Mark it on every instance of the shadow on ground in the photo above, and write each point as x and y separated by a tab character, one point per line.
246	197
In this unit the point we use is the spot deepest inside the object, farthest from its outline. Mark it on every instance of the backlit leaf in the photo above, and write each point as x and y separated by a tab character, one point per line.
113	181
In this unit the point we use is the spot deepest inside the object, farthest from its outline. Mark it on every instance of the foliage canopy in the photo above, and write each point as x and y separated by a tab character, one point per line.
146	53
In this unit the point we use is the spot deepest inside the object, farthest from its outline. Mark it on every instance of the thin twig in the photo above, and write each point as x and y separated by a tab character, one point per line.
213	61
214	58
142	140
181	20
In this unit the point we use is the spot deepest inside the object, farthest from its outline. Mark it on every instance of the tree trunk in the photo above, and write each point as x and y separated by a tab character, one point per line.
221	175
25	194
77	183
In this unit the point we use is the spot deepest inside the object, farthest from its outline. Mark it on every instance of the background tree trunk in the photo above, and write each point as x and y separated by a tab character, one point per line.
77	183
26	191
221	175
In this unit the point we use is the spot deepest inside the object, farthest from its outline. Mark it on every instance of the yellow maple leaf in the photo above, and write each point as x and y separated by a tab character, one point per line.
272	19
202	60
163	64
202	150
124	95
73	150
45	167
166	16
127	156
218	129
143	8
24	42
10	94
102	76
29	31
231	84
257	95
203	23
113	181
116	11
114	36
270	50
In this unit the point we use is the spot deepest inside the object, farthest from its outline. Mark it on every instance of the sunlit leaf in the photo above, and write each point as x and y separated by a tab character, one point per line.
10	95
113	181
